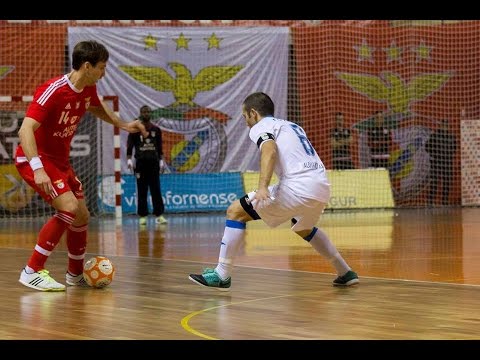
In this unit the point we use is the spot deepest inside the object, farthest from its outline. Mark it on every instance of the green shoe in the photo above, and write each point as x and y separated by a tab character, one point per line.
142	220
349	279
210	278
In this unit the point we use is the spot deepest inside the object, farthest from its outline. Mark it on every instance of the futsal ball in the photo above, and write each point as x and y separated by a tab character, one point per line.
98	271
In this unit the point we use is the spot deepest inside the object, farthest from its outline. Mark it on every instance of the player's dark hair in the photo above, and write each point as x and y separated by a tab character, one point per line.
90	51
261	102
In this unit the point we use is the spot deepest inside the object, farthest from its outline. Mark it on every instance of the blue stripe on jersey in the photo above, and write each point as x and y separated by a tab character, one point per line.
311	235
235	224
264	137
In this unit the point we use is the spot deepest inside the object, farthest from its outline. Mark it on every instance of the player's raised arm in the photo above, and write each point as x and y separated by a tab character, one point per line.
108	115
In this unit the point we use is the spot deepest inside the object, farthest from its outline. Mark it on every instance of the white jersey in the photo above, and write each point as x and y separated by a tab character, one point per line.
298	167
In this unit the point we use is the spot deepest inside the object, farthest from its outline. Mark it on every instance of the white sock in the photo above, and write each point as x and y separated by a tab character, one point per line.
322	244
29	270
233	236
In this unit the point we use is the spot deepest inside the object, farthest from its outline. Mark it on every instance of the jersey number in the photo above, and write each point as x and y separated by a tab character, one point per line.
303	139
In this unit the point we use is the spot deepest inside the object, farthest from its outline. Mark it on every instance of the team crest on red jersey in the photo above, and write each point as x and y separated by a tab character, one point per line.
59	184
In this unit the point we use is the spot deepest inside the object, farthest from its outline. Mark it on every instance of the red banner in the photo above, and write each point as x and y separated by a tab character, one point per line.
29	55
418	75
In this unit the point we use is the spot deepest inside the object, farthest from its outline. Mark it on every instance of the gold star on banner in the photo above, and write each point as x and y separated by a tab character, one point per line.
422	51
365	52
182	42
213	41
394	53
150	42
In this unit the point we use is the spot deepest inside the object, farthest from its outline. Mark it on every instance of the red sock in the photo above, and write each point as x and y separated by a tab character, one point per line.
77	245
48	237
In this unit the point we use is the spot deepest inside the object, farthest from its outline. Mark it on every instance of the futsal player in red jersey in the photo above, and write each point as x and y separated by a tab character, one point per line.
43	160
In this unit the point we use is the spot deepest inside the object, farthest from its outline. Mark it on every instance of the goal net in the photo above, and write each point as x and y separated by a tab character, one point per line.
390	106
92	156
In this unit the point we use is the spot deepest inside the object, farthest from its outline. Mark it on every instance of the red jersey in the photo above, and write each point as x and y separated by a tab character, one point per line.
59	107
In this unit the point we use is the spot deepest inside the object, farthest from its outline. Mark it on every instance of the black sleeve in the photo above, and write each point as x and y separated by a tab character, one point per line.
159	143
129	144
264	137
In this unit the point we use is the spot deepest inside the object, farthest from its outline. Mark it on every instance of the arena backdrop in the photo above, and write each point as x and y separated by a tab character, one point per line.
195	80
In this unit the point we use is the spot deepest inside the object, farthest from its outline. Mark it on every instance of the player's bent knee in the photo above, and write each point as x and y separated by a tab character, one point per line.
67	202
71	208
83	216
307	234
235	210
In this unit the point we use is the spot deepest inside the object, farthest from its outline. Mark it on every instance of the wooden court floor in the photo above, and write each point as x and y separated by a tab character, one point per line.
419	280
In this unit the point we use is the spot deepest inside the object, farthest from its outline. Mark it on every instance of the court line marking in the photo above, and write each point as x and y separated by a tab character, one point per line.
324	273
186	319
113	255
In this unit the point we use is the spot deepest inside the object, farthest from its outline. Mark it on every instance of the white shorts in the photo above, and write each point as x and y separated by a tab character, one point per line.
286	205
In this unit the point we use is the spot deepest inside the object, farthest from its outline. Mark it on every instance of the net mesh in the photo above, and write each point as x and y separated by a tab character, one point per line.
400	97
91	156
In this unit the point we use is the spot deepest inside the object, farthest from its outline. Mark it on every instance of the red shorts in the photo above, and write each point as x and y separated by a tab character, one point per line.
62	180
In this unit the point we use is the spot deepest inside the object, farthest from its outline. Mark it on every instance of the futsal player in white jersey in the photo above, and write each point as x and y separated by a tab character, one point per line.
300	196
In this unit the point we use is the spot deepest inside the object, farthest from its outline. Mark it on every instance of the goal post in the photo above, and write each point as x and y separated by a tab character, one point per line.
117	158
